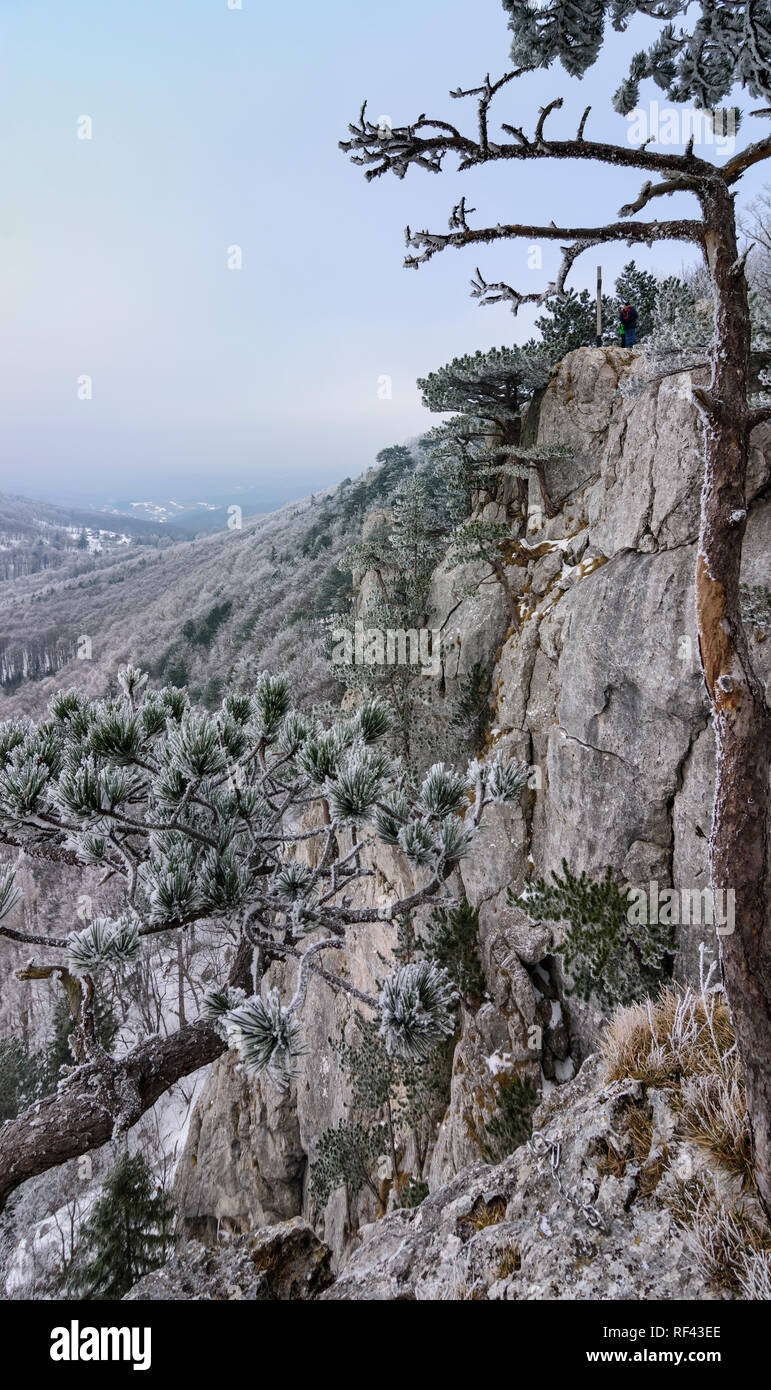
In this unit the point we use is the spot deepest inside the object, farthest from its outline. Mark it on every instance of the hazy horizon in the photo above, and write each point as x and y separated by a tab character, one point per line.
213	128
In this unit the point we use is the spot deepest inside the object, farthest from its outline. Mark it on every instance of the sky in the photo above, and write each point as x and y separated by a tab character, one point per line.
134	362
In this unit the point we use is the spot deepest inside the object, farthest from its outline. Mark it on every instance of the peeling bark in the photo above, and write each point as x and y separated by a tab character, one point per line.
739	844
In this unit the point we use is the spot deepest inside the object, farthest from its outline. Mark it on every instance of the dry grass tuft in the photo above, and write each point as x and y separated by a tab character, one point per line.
754	1274
683	1042
683	1033
715	1115
486	1214
640	1130
509	1263
611	1163
732	1249
653	1172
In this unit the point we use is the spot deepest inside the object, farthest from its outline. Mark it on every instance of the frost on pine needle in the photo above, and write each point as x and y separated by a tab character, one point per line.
320	755
443	791
454	840
352	793
294	881
390	816
131	680
417	1010
295	730
102	942
195	746
10	895
267	1037
219	1000
270	703
417	842
504	780
170	881
373	721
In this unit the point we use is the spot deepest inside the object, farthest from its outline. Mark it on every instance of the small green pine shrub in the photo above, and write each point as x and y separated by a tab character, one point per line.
471	707
127	1235
391	1100
347	1154
512	1123
607	956
453	944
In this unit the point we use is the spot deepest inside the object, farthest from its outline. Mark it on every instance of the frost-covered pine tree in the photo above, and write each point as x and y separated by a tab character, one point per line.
417	537
640	288
479	446
571	318
681	329
493	386
254	819
697	54
488	543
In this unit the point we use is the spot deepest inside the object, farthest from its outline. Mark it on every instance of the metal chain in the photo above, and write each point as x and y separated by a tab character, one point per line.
542	1147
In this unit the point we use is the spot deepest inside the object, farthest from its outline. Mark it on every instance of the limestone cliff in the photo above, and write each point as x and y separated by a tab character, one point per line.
599	691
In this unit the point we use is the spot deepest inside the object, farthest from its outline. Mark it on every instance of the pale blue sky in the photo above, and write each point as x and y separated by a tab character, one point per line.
214	127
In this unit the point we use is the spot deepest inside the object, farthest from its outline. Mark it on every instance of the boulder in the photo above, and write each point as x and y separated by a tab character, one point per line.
282	1262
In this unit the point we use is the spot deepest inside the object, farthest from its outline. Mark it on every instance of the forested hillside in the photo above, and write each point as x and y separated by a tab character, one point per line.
204	613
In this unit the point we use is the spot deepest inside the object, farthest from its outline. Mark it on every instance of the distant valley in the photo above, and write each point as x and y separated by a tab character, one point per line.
203	607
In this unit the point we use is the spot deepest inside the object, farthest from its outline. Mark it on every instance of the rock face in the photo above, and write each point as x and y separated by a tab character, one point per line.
243	1163
580	1212
282	1262
599	1230
599	691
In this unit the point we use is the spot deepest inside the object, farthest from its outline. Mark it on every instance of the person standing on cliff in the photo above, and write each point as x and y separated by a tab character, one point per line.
628	317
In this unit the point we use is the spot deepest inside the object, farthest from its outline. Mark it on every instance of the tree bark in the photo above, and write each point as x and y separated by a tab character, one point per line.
101	1096
739	844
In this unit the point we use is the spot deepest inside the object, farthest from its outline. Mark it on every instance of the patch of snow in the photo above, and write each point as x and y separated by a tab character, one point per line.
499	1063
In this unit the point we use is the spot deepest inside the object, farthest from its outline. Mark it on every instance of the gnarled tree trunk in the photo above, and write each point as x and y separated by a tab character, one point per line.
106	1095
739	845
101	1096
